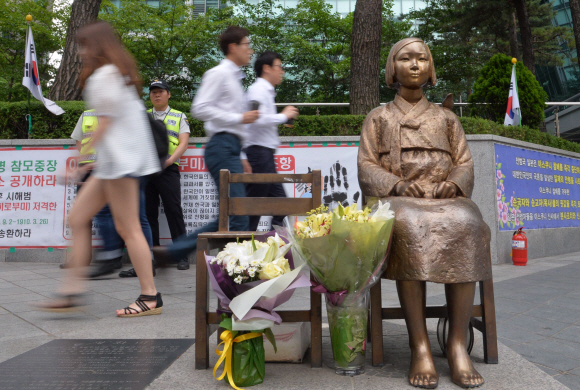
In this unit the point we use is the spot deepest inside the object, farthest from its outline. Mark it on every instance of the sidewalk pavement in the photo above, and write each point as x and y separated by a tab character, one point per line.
537	311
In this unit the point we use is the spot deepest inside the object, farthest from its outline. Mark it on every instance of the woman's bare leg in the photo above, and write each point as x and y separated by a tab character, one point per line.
123	199
87	204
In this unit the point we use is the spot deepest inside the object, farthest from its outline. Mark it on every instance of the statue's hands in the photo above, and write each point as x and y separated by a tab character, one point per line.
404	188
445	190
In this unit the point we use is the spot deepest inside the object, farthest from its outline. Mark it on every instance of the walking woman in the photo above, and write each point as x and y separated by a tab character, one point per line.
126	152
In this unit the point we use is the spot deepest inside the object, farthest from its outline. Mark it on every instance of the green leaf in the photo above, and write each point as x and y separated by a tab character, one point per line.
499	166
340	210
271	338
254	247
226	322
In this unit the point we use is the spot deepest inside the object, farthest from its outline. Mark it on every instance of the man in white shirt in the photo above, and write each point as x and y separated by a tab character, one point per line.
220	103
262	135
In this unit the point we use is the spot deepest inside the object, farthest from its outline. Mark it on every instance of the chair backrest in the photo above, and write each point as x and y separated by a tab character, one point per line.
266	206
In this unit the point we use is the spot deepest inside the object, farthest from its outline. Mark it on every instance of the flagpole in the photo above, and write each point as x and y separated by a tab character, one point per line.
514	61
28	116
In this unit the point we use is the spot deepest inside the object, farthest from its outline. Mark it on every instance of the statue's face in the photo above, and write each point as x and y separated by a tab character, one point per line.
412	66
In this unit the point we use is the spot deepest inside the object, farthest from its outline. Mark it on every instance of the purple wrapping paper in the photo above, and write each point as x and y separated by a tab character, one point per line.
226	290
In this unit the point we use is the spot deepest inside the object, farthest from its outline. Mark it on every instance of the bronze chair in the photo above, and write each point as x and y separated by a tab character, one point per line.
205	320
485	310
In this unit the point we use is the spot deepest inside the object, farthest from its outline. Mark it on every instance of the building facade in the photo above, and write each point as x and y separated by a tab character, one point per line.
557	79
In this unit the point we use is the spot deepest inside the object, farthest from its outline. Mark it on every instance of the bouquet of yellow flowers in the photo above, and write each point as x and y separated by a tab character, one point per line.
346	250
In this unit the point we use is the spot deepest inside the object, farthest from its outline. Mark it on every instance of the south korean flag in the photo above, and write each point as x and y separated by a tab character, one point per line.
31	79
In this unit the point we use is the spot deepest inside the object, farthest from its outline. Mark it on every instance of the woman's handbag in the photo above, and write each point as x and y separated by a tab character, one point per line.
159	133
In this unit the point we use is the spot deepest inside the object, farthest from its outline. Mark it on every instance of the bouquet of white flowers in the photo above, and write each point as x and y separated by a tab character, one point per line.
253	260
250	279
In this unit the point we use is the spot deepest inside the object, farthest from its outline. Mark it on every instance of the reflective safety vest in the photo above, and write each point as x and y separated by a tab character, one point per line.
89	124
172	122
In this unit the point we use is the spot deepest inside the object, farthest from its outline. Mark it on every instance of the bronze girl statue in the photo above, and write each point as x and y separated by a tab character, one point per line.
415	154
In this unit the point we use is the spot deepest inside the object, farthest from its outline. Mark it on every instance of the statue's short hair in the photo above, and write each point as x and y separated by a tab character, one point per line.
390	67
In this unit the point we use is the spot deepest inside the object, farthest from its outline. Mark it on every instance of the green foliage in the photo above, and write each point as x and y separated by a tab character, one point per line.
169	41
48	126
521	133
314	43
493	85
13	123
313	40
48	28
462	37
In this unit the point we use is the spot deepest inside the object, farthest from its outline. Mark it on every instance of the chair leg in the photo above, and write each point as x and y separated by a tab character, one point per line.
201	309
490	351
315	329
377	325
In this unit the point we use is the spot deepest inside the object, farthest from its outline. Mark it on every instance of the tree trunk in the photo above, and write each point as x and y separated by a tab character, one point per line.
66	86
526	35
513	34
365	56
575	11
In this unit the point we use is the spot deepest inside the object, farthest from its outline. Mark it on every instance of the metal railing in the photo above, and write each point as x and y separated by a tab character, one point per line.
460	104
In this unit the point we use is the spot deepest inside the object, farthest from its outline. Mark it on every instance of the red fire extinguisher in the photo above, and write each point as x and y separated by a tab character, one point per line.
520	247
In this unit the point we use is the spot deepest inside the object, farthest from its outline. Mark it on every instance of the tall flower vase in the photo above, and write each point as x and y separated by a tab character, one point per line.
347	321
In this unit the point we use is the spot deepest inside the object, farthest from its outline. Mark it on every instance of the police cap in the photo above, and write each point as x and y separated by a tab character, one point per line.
158	83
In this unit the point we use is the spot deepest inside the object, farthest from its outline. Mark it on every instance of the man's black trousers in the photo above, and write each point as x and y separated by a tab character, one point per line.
262	161
166	186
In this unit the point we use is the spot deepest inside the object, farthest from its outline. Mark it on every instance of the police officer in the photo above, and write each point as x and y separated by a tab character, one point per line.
109	258
167	185
82	132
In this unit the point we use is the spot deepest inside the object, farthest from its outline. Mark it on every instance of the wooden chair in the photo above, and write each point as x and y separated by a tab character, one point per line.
205	320
486	325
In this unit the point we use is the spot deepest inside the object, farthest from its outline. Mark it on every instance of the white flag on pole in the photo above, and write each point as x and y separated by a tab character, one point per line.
513	115
31	79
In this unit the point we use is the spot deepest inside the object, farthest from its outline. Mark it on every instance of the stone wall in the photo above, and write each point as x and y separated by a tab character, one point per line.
541	242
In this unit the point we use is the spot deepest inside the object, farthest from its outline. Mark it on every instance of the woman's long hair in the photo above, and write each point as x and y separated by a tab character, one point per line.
104	47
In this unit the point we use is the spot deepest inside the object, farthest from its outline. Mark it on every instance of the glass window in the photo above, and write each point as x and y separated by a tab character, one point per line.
212	3
419	5
407	5
290	3
343	6
561	18
153	3
332	4
199	6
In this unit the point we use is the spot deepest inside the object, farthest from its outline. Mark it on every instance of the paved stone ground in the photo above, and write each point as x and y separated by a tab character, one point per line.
537	310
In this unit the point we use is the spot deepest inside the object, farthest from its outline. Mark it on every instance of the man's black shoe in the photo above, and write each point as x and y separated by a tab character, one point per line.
101	269
183	264
118	263
131	273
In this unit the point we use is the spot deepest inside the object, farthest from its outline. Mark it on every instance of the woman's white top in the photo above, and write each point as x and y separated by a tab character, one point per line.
127	147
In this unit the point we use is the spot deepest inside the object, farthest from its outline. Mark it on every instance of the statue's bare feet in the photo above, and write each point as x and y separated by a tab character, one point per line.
462	371
422	373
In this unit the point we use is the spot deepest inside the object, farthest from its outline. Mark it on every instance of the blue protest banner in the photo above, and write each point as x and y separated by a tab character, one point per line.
536	190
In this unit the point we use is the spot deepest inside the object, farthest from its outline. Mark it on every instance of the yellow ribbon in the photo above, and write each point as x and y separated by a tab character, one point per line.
228	340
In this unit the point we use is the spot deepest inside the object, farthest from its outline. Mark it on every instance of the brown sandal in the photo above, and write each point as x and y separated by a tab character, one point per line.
145	310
